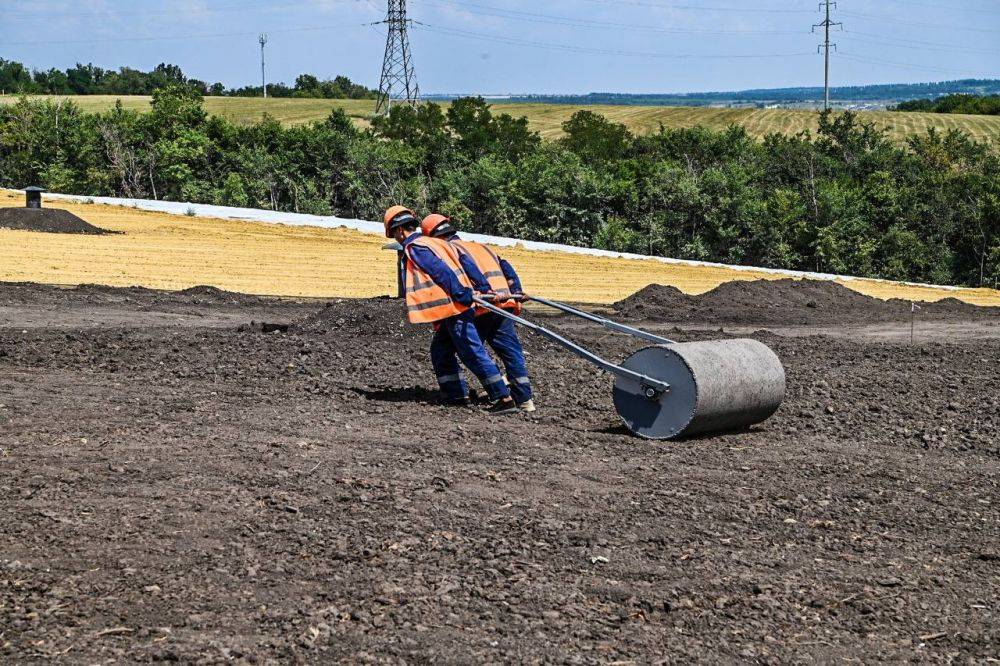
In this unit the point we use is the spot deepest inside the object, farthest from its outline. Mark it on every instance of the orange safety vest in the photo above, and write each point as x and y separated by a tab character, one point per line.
426	302
489	265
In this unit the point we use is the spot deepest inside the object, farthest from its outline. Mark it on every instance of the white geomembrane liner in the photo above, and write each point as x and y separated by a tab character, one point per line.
364	226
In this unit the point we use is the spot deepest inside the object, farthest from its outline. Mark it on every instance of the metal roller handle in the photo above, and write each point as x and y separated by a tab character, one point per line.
607	323
652	388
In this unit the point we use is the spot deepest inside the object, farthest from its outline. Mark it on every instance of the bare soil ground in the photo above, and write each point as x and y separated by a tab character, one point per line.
176	484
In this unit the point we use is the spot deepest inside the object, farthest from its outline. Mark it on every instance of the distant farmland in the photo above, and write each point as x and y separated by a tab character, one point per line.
548	118
242	110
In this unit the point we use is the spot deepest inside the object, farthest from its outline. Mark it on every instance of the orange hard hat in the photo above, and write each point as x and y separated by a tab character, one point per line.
436	225
395	216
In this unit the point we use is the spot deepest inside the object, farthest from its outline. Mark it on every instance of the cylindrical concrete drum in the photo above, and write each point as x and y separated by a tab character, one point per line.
716	386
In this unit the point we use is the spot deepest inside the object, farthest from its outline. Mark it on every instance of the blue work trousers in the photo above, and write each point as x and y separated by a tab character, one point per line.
501	335
458	335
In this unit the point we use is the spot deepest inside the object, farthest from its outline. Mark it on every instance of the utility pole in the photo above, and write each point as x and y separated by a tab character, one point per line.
263	76
398	78
825	48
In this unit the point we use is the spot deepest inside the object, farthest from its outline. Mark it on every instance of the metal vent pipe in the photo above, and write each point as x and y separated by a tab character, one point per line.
33	197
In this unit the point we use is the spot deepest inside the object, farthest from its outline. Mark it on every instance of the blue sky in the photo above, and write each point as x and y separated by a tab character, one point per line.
521	46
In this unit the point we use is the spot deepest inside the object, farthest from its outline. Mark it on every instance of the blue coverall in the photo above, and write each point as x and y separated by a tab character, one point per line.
496	331
456	334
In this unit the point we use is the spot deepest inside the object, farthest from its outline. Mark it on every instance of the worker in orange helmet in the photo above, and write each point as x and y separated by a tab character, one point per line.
439	292
496	278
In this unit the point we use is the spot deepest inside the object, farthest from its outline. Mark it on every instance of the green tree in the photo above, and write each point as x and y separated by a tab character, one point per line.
593	137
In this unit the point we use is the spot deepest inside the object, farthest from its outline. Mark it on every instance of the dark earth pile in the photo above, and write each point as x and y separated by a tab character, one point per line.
787	301
49	220
363	317
91	305
195	494
27	293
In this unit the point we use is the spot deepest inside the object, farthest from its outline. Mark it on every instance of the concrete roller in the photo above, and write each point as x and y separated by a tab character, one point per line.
715	386
676	389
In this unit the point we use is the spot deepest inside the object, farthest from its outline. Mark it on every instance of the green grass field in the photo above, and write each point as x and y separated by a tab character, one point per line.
548	118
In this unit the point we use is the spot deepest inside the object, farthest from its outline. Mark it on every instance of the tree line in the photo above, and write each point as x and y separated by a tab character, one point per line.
842	200
89	79
875	93
984	105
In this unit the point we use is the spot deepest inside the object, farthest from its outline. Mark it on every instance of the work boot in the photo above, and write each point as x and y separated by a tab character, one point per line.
457	402
503	406
527	406
479	397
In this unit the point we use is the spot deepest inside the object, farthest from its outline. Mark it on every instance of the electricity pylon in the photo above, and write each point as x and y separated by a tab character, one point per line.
398	82
825	48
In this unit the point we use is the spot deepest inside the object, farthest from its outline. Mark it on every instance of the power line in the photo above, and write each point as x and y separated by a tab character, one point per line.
826	24
216	35
532	17
922	68
938	5
892	19
893	42
571	48
409	83
918	42
243	8
744	10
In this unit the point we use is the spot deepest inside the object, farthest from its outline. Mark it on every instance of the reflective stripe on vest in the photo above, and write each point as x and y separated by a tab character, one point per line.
489	265
426	302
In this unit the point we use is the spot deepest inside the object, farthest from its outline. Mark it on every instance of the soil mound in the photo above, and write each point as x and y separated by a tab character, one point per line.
654	301
100	291
784	301
363	318
199	295
47	220
202	290
948	308
208	295
27	293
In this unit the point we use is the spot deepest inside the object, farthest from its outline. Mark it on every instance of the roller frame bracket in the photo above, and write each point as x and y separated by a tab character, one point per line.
646	383
603	321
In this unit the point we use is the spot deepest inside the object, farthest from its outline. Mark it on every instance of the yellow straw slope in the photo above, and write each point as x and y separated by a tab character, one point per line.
164	251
